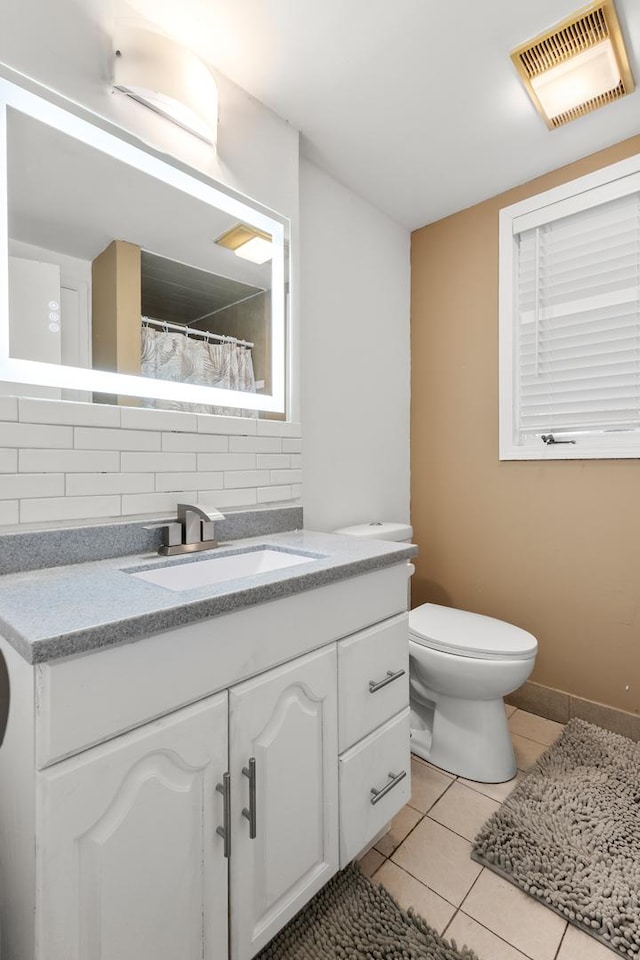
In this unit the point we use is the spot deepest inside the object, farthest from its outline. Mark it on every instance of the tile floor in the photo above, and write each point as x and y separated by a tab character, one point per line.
424	861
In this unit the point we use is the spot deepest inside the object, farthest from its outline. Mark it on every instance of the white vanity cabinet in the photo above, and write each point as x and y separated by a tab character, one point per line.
286	722
185	795
129	861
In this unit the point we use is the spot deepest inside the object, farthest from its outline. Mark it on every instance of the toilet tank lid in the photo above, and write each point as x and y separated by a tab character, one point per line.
379	530
469	634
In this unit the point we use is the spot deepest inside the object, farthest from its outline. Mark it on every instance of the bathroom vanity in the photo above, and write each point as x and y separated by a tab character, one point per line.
179	777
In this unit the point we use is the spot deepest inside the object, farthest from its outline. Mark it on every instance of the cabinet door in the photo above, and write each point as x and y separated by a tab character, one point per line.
130	866
285	720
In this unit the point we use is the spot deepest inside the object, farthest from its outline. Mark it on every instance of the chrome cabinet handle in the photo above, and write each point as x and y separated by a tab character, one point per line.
250	814
395	779
390	677
225	830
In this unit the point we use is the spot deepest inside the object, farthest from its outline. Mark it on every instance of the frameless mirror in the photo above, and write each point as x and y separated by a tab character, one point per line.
129	280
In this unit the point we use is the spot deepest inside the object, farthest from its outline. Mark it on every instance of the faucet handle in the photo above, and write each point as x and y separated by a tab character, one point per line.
171	534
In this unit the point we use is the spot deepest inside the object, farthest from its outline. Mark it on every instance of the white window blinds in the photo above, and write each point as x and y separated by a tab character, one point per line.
577	323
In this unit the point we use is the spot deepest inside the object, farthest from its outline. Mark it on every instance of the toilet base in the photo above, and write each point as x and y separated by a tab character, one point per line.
469	738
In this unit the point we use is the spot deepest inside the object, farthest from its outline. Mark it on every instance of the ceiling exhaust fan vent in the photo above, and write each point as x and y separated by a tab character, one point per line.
577	34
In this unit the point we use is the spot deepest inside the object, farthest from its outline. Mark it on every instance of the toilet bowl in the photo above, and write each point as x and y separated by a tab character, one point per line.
461	666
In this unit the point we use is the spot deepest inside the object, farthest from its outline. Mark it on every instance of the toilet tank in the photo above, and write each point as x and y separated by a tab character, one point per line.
380	530
384	530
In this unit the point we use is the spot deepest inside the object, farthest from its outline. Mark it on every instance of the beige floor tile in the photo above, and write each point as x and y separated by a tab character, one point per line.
370	862
515	917
487	945
409	892
463	810
427	785
527	751
440	859
577	945
535	728
402	824
497	791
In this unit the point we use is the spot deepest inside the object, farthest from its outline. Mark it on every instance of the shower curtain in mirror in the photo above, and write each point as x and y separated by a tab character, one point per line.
170	355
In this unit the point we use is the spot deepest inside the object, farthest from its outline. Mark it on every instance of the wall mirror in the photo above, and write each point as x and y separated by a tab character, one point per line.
126	280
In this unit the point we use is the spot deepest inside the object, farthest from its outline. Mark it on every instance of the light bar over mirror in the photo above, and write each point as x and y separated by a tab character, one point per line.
112	287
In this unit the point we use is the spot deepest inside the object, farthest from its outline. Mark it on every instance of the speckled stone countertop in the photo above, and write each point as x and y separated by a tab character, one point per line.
60	611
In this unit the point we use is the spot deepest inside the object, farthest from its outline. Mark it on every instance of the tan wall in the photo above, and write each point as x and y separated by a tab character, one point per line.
552	547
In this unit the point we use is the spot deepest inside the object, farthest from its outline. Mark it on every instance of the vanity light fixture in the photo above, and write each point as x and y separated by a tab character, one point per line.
577	66
168	78
248	243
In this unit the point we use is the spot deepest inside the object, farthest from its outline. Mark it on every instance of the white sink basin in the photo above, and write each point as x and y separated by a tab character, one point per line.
205	573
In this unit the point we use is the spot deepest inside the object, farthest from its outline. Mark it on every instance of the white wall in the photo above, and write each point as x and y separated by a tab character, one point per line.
355	357
350	266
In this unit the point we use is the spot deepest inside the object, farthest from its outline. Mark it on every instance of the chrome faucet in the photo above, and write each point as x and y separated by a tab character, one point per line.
192	531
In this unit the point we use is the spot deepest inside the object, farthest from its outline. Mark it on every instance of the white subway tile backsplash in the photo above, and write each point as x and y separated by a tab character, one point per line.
291	446
8	461
140	418
240	426
61	460
278	428
68	508
88	438
19	485
141	503
8	408
273	494
156	462
226	461
228	498
246	478
180	481
286	476
35	435
9	512
69	461
194	443
255	445
34	410
94	484
273	461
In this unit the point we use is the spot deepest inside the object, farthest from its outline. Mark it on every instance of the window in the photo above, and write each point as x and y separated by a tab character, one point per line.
570	320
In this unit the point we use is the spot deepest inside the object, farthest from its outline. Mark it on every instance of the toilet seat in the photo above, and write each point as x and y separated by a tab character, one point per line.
465	634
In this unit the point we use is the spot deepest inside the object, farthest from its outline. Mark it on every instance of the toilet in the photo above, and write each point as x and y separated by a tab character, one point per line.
461	666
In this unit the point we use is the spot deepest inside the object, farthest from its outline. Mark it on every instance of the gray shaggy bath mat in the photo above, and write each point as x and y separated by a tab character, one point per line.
569	834
353	919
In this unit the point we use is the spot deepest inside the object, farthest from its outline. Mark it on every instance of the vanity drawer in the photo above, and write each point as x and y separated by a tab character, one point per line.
380	763
373	678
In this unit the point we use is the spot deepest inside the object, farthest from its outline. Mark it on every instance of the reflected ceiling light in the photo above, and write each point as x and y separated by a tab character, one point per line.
248	243
577	66
168	78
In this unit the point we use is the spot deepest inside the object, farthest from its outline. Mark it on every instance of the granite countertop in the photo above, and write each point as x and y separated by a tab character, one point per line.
64	610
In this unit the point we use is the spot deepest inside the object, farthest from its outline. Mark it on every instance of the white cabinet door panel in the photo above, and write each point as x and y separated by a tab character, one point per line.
286	720
131	867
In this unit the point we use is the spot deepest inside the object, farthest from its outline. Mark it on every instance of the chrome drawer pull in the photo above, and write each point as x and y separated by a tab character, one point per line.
250	814
390	677
225	831
393	782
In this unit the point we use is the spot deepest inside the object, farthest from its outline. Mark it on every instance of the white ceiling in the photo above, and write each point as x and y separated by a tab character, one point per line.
413	104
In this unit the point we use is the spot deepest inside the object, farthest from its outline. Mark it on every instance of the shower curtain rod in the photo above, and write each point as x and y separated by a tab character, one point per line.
189	331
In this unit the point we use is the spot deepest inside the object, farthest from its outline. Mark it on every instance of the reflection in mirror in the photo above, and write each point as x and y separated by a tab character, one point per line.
113	269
